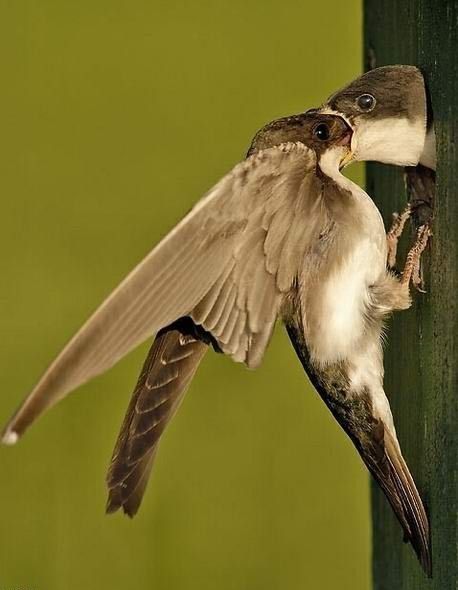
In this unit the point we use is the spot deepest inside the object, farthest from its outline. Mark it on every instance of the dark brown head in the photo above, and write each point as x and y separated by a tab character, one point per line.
317	131
387	110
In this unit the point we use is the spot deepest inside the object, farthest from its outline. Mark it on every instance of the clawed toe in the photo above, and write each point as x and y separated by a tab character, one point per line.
412	267
392	237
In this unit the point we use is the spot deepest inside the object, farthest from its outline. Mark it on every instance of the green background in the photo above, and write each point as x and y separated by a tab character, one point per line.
115	117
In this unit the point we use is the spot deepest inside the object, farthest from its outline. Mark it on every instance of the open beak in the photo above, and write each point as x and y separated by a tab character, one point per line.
346	159
345	141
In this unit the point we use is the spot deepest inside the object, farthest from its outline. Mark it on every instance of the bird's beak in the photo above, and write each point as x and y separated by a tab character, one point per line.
346	141
346	159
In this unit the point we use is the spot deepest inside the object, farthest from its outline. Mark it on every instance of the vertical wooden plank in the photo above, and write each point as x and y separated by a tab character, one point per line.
422	353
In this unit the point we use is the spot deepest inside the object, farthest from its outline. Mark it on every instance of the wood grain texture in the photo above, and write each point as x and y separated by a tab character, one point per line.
422	352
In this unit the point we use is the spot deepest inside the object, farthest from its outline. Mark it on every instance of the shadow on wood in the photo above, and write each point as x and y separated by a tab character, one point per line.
421	357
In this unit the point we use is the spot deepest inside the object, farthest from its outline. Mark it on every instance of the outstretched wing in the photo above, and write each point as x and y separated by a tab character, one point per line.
227	265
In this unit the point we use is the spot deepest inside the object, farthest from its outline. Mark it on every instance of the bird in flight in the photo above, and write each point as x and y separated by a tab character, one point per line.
283	235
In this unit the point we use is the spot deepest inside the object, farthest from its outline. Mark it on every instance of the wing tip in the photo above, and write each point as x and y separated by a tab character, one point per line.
426	563
422	549
114	503
9	437
418	531
423	553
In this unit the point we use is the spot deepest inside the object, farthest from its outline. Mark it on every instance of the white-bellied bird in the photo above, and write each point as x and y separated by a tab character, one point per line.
283	235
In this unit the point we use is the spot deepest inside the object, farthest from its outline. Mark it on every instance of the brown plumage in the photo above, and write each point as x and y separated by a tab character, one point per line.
395	124
284	234
375	443
168	369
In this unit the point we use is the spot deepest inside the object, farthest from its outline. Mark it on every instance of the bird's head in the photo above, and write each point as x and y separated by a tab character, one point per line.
320	132
329	135
387	110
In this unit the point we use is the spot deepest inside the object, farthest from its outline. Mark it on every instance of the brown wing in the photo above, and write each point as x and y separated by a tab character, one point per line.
167	372
227	265
393	476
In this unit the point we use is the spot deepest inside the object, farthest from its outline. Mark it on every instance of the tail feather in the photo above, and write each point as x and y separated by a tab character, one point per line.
408	505
381	453
375	442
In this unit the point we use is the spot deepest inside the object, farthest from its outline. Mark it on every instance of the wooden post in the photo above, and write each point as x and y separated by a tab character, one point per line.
422	352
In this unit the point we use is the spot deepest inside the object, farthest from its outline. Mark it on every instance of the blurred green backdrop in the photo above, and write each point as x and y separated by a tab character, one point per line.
116	116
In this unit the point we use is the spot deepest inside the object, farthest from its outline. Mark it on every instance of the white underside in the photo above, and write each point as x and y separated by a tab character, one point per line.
340	301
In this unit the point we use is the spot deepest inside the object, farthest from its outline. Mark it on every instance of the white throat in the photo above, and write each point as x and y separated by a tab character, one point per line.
395	140
329	162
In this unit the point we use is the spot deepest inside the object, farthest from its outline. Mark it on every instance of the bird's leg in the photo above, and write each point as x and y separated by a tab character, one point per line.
393	235
411	270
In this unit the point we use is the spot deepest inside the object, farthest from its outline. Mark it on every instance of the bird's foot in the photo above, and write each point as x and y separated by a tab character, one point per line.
395	232
411	272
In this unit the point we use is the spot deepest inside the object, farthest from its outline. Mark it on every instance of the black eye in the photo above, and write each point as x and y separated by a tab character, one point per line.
321	132
366	102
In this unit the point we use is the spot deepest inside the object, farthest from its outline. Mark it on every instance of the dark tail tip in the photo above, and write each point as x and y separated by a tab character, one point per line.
408	505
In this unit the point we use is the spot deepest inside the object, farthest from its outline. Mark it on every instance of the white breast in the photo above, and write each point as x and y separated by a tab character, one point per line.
334	308
392	141
336	319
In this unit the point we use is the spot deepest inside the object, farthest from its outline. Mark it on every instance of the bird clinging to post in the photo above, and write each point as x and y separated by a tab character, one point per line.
283	235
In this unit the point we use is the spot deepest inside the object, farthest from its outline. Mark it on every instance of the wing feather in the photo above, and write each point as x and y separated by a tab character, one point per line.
168	369
207	304
375	440
241	238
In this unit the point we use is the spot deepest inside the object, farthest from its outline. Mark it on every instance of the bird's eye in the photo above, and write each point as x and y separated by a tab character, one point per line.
321	132
366	102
